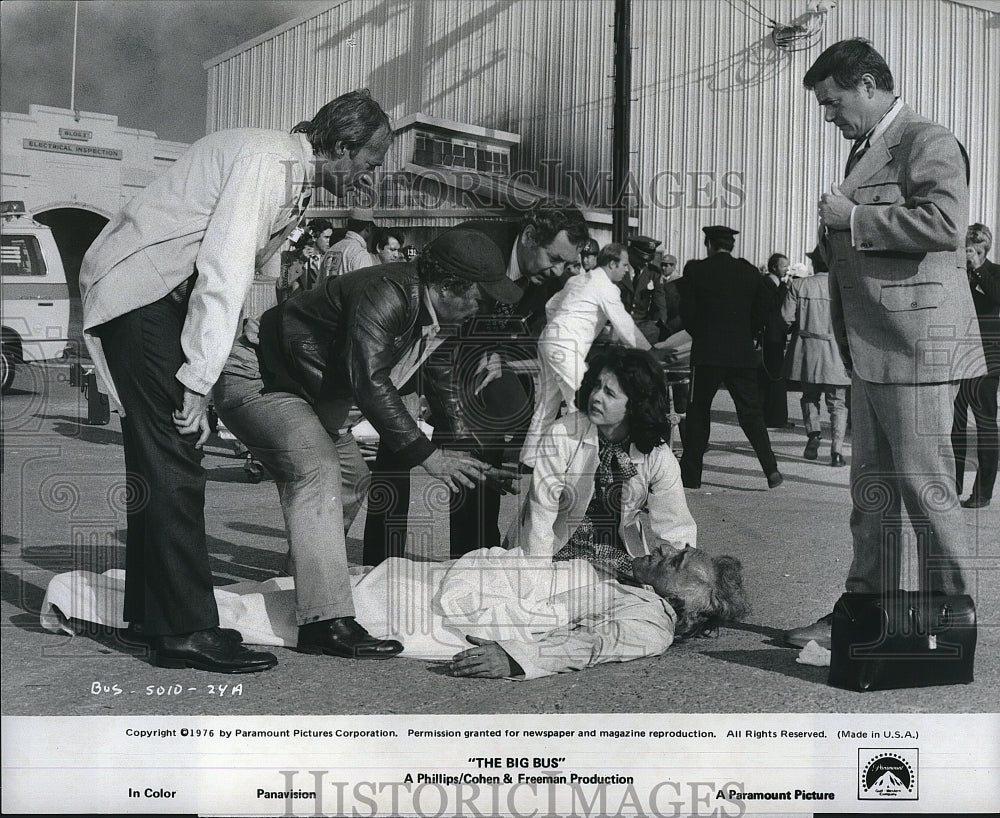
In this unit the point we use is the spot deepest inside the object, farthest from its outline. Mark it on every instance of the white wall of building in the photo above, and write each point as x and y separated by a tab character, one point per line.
723	131
55	158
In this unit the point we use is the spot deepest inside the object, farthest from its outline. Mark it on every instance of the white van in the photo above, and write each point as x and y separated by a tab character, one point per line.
35	315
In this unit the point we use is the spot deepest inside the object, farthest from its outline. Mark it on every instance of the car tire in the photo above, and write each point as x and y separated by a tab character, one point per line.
8	366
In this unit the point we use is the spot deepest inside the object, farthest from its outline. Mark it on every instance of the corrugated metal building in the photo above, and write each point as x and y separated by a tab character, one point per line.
722	130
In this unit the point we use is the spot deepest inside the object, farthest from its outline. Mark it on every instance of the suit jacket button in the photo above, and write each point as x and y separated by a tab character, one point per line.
913	303
876	199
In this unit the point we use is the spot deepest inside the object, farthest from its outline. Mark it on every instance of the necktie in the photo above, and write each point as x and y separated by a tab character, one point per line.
857	151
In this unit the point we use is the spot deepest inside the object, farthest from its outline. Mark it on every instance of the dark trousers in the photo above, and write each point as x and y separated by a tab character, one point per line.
742	385
168	582
503	408
979	395
773	388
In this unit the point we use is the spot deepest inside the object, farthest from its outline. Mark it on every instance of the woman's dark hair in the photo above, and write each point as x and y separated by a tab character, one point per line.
772	262
727	602
352	118
642	379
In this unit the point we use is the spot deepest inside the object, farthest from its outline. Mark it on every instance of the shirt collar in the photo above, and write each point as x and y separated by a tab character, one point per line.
356	237
884	122
433	328
513	268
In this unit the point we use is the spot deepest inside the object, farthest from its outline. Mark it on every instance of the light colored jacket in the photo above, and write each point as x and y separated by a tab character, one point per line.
347	255
812	355
222	209
654	510
900	302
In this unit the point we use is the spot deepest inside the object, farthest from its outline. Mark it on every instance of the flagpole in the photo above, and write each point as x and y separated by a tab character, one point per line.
72	90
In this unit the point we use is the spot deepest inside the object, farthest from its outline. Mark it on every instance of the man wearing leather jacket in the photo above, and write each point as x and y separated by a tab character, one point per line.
479	402
290	382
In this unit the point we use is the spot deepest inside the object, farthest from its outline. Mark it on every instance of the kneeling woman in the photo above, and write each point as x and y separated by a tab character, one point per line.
599	471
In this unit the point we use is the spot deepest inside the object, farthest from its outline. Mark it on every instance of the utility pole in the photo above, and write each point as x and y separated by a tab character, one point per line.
620	135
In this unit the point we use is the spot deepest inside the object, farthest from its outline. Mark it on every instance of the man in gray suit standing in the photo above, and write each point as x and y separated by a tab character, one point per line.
893	235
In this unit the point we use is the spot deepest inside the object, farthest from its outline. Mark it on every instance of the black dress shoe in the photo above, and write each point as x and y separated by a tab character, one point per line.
209	650
135	633
974	501
346	638
837	459
774	480
818	632
812	447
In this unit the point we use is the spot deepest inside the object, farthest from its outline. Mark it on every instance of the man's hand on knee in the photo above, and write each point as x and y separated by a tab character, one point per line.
456	469
192	417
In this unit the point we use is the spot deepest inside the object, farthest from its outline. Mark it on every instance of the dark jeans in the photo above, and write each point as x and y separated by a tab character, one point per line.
168	582
742	385
979	395
503	408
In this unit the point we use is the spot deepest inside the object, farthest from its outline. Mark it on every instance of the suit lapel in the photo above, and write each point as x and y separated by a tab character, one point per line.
879	153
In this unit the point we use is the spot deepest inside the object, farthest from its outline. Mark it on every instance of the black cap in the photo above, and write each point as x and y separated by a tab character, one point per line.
589	248
718	231
643	245
473	256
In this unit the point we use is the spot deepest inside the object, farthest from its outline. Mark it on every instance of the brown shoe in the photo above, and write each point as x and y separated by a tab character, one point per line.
837	459
818	632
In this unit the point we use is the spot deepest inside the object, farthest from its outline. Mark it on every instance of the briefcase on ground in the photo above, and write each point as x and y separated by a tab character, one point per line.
902	639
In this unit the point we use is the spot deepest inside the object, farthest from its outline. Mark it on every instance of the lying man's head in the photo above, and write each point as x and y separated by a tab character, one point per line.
704	591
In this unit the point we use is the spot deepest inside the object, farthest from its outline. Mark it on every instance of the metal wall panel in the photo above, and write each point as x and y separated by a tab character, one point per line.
723	131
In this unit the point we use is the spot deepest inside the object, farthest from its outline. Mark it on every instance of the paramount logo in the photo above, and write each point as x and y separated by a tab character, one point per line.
886	775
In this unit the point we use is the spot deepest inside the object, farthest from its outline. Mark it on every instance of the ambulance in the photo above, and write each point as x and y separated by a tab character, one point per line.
35	313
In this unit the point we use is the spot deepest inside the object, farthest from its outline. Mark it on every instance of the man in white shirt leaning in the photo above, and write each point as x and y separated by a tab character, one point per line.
163	287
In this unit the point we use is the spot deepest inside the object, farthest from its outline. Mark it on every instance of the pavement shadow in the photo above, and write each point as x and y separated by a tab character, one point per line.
715	469
773	661
245	562
775	636
258	530
69	426
26	597
231	474
61	557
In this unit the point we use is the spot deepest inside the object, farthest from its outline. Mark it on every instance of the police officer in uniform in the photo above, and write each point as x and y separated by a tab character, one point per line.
649	301
723	305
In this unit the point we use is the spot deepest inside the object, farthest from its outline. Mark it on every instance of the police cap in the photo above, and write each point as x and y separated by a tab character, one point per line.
718	231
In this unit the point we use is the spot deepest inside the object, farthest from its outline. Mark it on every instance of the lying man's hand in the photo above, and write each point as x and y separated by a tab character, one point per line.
456	469
485	661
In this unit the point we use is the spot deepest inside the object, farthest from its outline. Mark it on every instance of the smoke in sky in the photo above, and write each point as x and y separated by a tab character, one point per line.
138	59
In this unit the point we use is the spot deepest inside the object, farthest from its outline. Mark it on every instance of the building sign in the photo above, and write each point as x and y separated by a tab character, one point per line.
76	133
80	150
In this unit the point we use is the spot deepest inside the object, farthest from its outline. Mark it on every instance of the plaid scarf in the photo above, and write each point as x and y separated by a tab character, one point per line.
601	545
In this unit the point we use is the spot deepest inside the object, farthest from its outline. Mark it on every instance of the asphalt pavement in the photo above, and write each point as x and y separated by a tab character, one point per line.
63	509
